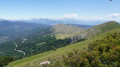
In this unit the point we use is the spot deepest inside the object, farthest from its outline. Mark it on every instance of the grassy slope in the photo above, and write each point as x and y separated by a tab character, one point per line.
61	51
102	28
62	31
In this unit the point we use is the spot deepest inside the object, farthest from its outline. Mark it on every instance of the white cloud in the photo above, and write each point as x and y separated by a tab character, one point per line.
115	15
111	17
70	16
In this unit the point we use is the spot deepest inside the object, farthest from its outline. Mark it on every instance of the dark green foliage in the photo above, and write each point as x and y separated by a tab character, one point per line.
53	48
51	44
4	60
7	49
34	45
101	53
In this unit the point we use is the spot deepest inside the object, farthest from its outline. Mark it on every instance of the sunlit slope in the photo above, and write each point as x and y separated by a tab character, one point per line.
99	29
96	30
34	61
62	31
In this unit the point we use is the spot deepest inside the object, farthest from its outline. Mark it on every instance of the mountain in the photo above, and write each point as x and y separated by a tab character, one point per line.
105	31
102	28
62	31
95	31
52	21
11	30
14	28
65	29
58	21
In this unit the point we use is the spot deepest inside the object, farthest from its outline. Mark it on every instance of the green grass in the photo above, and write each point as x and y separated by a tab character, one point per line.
63	36
102	28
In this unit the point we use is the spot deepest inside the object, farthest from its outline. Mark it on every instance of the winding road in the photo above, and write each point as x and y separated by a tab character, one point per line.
18	50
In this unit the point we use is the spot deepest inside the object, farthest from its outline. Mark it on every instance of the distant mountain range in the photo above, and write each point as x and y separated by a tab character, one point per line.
15	29
11	30
58	21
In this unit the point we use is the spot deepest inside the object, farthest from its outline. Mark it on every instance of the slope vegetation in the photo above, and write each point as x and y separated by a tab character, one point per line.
101	53
37	59
99	29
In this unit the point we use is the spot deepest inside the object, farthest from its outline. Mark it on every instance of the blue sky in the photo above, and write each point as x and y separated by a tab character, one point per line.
95	9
